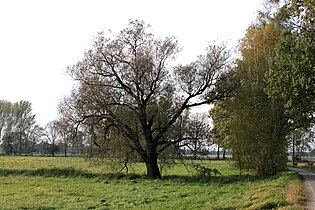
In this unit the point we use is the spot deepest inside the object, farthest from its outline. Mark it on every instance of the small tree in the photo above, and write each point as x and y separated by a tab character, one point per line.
34	135
66	133
7	143
5	115
220	132
52	135
301	139
197	136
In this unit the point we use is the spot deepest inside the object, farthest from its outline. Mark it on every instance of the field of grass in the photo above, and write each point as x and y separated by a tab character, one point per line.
73	183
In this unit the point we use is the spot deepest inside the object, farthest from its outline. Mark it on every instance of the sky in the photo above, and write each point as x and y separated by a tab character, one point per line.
40	38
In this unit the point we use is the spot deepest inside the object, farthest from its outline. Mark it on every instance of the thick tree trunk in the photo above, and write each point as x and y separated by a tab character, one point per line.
151	159
153	170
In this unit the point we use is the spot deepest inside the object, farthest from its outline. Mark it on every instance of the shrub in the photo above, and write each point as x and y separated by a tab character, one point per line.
205	171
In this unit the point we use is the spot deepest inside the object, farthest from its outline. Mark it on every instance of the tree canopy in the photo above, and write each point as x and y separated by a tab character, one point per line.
292	75
18	129
275	94
128	90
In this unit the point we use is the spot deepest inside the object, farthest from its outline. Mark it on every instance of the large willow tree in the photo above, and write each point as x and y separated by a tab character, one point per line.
127	88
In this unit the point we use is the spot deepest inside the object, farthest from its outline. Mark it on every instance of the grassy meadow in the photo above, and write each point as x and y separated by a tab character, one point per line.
73	183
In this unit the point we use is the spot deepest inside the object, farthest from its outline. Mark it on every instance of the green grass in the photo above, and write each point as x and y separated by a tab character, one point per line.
72	183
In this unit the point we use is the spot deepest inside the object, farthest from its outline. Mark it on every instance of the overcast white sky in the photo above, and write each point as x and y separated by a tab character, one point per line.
40	38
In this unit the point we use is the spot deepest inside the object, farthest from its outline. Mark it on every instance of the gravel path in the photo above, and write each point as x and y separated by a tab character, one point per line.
309	180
